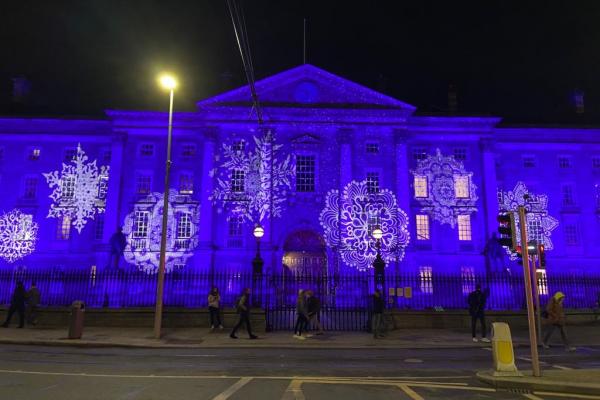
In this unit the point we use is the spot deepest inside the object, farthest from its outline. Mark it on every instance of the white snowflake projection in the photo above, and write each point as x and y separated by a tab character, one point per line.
539	223
79	190
348	222
444	188
18	234
253	184
143	227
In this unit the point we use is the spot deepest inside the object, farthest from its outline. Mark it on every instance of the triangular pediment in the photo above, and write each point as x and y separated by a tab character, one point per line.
306	138
307	86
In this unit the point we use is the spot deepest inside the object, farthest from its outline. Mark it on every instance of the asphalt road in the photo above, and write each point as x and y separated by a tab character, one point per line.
32	372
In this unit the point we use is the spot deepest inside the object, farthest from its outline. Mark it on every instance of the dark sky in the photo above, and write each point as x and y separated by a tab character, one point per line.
520	60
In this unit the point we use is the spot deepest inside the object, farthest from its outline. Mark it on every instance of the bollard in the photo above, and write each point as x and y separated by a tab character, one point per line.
502	349
76	320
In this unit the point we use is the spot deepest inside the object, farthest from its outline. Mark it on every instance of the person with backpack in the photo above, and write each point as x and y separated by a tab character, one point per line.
477	300
243	310
214	300
301	315
554	317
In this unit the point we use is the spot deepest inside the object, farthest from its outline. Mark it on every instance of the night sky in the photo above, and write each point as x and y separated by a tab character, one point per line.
521	60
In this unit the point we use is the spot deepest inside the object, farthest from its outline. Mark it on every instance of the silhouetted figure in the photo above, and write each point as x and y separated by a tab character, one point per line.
17	304
214	308
33	300
477	301
378	307
117	244
243	309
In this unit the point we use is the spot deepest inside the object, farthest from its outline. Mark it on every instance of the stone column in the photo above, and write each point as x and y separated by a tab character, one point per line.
205	235
489	192
403	175
112	217
344	139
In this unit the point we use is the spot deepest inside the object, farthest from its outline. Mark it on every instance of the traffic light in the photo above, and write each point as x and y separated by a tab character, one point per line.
507	230
519	251
542	255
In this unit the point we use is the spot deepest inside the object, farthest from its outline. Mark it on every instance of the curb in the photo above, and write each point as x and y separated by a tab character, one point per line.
530	384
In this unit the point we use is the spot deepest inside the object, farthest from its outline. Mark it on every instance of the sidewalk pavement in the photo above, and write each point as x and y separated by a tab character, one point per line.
204	338
575	381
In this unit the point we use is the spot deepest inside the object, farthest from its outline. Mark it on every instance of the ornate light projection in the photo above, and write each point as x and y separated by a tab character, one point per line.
539	224
444	188
142	227
18	234
348	222
253	184
79	190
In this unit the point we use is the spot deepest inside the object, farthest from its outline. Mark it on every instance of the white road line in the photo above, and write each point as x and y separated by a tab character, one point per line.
232	389
486	348
532	397
529	360
195	355
561	367
294	391
411	393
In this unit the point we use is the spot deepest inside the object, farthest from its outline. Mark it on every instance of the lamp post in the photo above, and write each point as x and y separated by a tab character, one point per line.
257	267
167	82
378	264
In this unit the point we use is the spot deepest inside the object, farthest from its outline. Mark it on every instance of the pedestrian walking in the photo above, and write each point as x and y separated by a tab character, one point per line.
313	307
477	300
554	317
301	315
17	304
33	301
377	322
214	308
243	309
117	244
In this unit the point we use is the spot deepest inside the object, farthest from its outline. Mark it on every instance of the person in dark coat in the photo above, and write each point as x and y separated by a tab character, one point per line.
378	307
477	300
313	307
243	309
17	304
33	300
117	244
301	315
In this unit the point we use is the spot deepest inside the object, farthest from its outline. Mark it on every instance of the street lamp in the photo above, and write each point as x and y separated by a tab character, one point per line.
170	83
257	266
378	264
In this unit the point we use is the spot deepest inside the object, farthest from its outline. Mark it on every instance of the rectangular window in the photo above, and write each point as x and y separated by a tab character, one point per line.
571	235
534	228
143	184
422	227
372	148
419	154
237	181
568	196
467	275
372	182
235	232
34	153
186	183
99	227
184	226
140	224
305	173
461	187
421	189
67	187
426	279
30	188
102	186
542	281
188	151
147	150
460	154
528	162
464	227
70	155
239	145
565	162
63	228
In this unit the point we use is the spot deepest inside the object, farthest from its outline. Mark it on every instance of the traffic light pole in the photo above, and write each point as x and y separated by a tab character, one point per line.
535	362
536	287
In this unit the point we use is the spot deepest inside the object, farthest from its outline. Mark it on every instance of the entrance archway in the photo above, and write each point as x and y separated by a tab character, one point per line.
304	254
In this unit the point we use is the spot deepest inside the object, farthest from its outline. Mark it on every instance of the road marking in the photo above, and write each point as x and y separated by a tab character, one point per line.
413	360
195	355
294	391
529	360
232	389
561	367
532	396
486	348
568	395
410	393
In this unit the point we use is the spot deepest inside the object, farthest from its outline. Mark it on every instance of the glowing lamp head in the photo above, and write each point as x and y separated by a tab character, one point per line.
377	234
258	232
167	81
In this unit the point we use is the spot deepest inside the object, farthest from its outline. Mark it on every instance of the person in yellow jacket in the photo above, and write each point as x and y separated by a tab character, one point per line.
555	319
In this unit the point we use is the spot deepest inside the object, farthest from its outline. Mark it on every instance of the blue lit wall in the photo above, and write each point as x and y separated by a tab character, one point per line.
311	112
